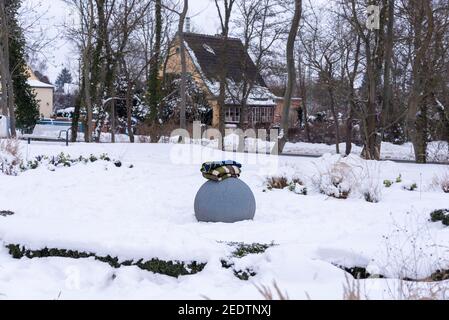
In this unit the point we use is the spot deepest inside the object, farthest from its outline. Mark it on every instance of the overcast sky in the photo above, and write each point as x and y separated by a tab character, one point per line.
60	53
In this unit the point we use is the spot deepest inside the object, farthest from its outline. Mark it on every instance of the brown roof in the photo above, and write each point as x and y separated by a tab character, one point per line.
208	53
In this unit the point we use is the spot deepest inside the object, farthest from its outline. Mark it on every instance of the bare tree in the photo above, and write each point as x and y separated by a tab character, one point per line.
283	138
182	17
225	18
261	28
422	22
324	53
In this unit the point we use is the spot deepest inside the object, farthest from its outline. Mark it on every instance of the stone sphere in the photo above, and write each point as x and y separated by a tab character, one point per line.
229	201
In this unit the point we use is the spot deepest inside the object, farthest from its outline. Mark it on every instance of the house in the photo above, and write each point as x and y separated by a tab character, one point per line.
44	94
203	64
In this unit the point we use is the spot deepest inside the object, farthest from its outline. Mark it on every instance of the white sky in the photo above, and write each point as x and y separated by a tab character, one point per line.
59	54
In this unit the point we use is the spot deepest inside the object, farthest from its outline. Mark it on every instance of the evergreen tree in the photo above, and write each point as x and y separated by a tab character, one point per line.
26	106
64	77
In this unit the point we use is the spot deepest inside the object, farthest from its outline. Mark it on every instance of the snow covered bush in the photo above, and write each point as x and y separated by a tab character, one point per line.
369	182
65	160
10	157
335	176
339	177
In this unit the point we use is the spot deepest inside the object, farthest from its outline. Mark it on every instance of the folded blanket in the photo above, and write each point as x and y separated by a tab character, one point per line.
222	173
208	167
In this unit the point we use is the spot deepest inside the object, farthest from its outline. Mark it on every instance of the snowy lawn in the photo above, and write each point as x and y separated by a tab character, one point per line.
146	212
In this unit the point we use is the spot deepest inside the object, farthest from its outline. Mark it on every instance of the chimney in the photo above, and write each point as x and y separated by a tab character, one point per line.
187	24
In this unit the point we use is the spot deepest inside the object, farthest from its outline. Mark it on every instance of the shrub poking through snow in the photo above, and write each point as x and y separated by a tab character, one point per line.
399	179
169	268
277	182
242	250
298	188
5	213
10	157
388	183
281	182
440	215
409	186
64	160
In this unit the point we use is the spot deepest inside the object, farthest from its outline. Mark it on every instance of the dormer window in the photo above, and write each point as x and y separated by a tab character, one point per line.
208	49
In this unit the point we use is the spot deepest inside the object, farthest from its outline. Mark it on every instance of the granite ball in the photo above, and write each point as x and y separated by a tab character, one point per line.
228	201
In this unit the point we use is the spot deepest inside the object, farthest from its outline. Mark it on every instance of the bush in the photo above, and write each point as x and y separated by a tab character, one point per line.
388	183
10	157
440	215
335	178
409	186
64	160
242	250
339	177
5	213
169	268
441	182
281	182
277	182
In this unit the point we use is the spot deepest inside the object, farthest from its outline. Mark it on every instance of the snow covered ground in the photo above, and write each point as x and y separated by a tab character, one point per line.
147	212
437	151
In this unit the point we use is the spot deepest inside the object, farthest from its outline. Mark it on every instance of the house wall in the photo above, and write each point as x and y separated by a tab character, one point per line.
174	66
293	115
45	101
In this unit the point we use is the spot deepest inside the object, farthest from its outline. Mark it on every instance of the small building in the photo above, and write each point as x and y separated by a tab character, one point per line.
203	64
44	94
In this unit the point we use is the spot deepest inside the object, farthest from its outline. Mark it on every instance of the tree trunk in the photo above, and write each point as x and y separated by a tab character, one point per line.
5	71
112	121
223	66
387	92
349	126
129	106
417	111
87	98
291	79
335	116
154	84
182	17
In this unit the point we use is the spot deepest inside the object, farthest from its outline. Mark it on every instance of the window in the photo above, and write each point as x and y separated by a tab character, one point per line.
208	49
232	114
262	114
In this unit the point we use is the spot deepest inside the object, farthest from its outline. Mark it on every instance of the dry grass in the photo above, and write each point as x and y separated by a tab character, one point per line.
10	147
10	156
351	289
277	182
267	292
441	182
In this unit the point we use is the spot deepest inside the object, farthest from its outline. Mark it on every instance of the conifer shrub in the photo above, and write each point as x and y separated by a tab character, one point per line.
169	268
440	215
